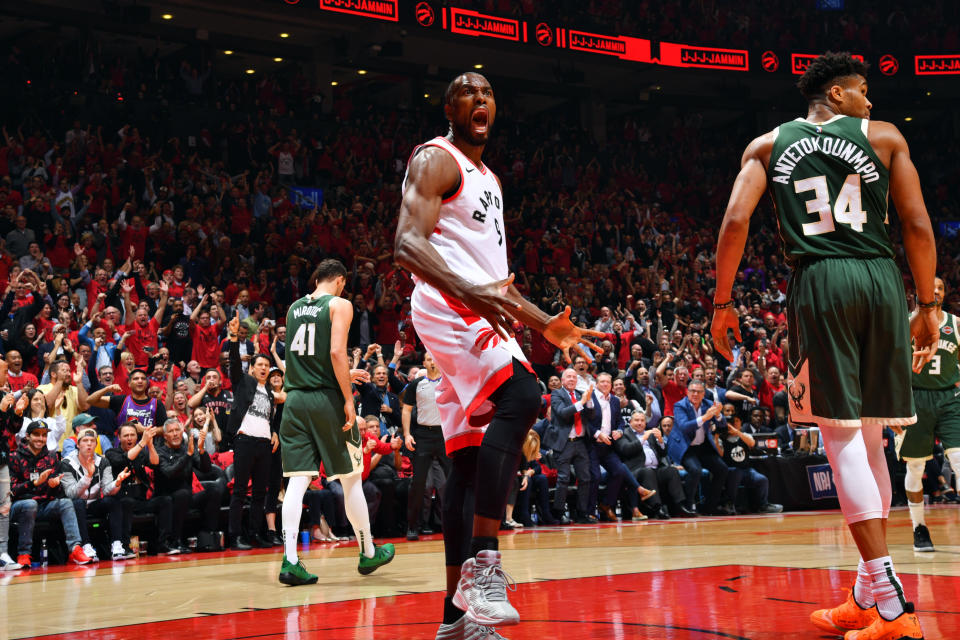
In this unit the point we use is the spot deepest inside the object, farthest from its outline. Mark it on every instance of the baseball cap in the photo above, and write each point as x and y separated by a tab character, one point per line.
81	419
86	433
37	425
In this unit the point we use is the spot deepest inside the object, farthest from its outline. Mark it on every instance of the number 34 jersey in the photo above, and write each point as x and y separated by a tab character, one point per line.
943	371
830	190
469	235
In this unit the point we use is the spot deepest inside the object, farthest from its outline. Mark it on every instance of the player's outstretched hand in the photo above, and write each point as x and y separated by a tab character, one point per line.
359	375
925	331
724	319
566	335
488	302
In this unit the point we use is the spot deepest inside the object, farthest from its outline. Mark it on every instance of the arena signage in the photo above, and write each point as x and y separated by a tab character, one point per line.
471	23
379	9
433	14
943	65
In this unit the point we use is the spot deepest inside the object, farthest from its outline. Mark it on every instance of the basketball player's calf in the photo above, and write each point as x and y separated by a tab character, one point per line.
481	592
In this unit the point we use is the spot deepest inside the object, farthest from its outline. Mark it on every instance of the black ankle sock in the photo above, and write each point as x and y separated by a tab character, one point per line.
450	611
482	543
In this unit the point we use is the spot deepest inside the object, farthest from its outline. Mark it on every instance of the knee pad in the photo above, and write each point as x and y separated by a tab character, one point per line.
914	479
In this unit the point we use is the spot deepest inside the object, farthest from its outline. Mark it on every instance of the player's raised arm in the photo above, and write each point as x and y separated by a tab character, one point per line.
432	173
749	187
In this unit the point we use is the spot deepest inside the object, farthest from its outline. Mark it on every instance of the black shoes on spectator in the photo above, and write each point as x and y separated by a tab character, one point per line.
771	507
426	531
683	511
273	537
587	519
168	548
412	535
564	520
661	514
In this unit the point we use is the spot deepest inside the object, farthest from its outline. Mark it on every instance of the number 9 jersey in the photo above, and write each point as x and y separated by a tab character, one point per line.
830	190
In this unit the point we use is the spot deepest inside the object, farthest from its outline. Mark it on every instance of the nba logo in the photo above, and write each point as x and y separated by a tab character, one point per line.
819	129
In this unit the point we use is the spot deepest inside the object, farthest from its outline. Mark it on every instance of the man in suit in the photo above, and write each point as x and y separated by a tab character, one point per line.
605	428
643	451
785	433
691	442
377	399
568	438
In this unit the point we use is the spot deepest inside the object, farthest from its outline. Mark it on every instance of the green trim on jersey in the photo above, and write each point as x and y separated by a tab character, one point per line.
943	371
307	355
830	190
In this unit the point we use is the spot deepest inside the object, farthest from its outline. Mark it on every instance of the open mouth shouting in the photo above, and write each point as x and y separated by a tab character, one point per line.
480	121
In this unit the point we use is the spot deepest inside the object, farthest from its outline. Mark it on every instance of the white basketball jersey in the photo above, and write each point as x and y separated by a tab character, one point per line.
469	234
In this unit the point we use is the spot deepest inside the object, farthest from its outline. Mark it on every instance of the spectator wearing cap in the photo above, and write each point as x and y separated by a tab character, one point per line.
135	455
80	421
31	406
87	479
37	494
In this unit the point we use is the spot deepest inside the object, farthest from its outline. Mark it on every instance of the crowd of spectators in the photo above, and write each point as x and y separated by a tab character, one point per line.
131	242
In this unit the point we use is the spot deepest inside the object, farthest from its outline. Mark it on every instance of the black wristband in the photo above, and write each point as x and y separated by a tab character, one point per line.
927	305
723	305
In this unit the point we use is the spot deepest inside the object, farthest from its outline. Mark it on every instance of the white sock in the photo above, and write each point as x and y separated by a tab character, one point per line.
292	510
887	590
862	588
954	457
916	513
355	504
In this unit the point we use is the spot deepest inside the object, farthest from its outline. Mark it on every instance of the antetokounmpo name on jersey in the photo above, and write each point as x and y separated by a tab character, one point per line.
845	150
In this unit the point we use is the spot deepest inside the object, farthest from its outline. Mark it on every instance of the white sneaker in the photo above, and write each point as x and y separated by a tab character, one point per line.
119	553
473	631
463	629
513	524
7	563
451	631
482	591
91	552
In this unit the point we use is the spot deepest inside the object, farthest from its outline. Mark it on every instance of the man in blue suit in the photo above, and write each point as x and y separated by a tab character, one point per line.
568	438
691	442
605	427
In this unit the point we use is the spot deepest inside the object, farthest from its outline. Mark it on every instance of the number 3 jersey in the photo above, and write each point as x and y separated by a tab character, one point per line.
307	356
943	371
830	190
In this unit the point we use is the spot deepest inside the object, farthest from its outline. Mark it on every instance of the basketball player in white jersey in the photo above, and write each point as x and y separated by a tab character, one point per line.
450	235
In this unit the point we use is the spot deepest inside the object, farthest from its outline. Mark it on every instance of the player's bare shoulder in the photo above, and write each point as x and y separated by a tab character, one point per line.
432	170
886	139
760	148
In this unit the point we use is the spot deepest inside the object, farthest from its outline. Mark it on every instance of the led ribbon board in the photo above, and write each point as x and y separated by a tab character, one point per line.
800	61
379	9
685	55
624	47
942	65
471	23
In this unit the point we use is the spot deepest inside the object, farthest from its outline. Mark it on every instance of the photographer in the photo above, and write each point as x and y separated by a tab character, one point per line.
736	446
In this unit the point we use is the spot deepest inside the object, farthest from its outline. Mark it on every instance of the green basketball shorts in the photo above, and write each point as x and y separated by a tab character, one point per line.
938	416
311	432
849	336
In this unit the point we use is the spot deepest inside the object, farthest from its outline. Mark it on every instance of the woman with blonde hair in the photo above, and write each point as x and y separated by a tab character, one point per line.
533	487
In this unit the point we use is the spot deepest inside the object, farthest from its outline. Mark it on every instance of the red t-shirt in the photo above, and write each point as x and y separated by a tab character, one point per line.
672	393
19	382
143	337
206	345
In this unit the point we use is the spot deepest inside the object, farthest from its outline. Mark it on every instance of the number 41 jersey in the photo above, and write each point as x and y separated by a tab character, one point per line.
830	190
307	355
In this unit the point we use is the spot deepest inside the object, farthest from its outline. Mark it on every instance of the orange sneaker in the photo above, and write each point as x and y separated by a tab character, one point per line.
78	556
906	626
847	616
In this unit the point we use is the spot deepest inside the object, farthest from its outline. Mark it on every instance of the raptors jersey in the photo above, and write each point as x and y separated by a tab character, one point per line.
469	233
474	359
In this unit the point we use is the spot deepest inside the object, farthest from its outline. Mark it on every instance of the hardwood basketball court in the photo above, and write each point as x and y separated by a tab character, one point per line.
744	578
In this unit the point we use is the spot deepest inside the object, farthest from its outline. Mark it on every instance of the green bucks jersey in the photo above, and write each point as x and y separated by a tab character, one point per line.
830	190
943	371
307	354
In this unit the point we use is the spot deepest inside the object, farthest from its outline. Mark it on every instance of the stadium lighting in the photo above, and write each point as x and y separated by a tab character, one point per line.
334	83
167	16
478	66
908	119
426	95
362	72
278	59
284	35
228	52
251	71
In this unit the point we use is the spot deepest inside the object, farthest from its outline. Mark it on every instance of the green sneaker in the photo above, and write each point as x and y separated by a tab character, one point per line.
295	574
382	555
